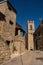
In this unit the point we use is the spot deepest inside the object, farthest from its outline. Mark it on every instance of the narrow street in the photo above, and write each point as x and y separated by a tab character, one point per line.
29	58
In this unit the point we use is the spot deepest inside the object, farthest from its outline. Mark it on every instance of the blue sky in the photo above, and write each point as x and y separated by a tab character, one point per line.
28	10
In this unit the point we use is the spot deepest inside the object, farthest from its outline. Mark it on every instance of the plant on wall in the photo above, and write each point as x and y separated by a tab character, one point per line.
14	48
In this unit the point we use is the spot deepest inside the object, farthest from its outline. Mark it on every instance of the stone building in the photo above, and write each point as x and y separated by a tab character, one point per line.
19	39
12	36
35	37
38	38
30	35
7	30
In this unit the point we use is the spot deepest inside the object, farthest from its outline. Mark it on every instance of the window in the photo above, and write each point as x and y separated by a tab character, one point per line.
11	22
30	27
16	31
39	34
0	28
2	17
7	42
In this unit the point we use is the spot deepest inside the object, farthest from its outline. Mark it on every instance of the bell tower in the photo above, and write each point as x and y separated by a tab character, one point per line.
30	35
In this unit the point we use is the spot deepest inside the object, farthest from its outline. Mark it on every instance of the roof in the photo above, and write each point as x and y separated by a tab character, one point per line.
9	4
40	27
19	27
2	2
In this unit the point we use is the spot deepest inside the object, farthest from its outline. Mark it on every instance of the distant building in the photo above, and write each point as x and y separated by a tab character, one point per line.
38	37
19	40
30	35
35	38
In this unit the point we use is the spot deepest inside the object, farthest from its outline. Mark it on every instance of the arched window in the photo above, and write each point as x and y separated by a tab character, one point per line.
30	27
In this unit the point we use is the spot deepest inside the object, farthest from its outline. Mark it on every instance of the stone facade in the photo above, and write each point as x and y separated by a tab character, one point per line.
19	40
7	30
11	38
4	51
9	24
30	35
35	38
20	44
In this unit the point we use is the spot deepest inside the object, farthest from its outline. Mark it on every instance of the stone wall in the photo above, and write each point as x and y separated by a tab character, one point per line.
7	31
4	51
30	35
19	42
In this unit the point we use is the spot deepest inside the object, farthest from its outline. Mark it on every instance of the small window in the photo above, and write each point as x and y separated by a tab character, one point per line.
39	34
0	28
30	27
2	17
7	42
16	31
11	22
